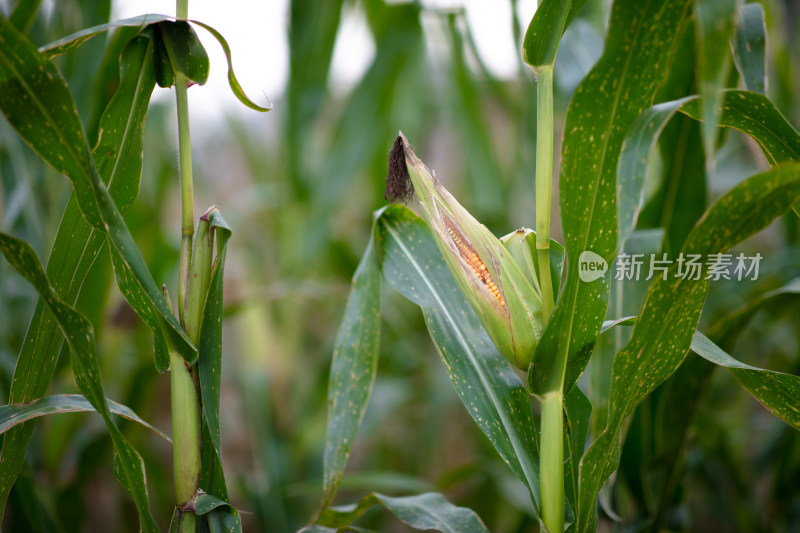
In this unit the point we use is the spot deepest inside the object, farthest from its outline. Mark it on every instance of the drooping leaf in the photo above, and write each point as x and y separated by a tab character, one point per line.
77	244
748	112
749	47
65	44
128	465
355	362
619	87
483	379
714	27
670	313
232	81
778	392
197	68
425	512
17	413
178	50
755	115
37	102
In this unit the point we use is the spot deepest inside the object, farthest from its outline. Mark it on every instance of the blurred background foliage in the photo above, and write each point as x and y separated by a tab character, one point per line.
298	187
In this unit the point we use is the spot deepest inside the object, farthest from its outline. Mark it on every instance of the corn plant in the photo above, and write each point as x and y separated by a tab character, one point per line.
524	304
105	170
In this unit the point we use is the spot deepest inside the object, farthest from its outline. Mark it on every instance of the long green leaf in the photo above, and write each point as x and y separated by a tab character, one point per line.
426	512
483	379
749	48
623	83
632	166
714	29
755	115
16	413
778	392
74	40
232	81
37	102
128	465
69	42
119	154
355	362
670	314
212	477
748	112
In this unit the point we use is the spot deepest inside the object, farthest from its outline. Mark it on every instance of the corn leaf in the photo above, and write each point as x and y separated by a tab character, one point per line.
232	81
670	313
544	33
750	46
119	155
65	44
778	392
483	379
191	56
212	476
749	112
220	515
622	84
355	362
128	465
755	115
37	102
178	50
714	29
426	512
17	413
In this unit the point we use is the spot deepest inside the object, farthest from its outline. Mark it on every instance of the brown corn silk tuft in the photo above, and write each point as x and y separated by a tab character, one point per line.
398	183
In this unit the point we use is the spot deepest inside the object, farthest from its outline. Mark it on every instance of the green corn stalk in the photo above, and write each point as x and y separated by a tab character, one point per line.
505	295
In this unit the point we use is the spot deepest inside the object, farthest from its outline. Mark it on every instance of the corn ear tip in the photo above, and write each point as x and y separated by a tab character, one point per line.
399	187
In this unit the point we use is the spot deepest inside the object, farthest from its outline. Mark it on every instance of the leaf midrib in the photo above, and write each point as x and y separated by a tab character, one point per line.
517	446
